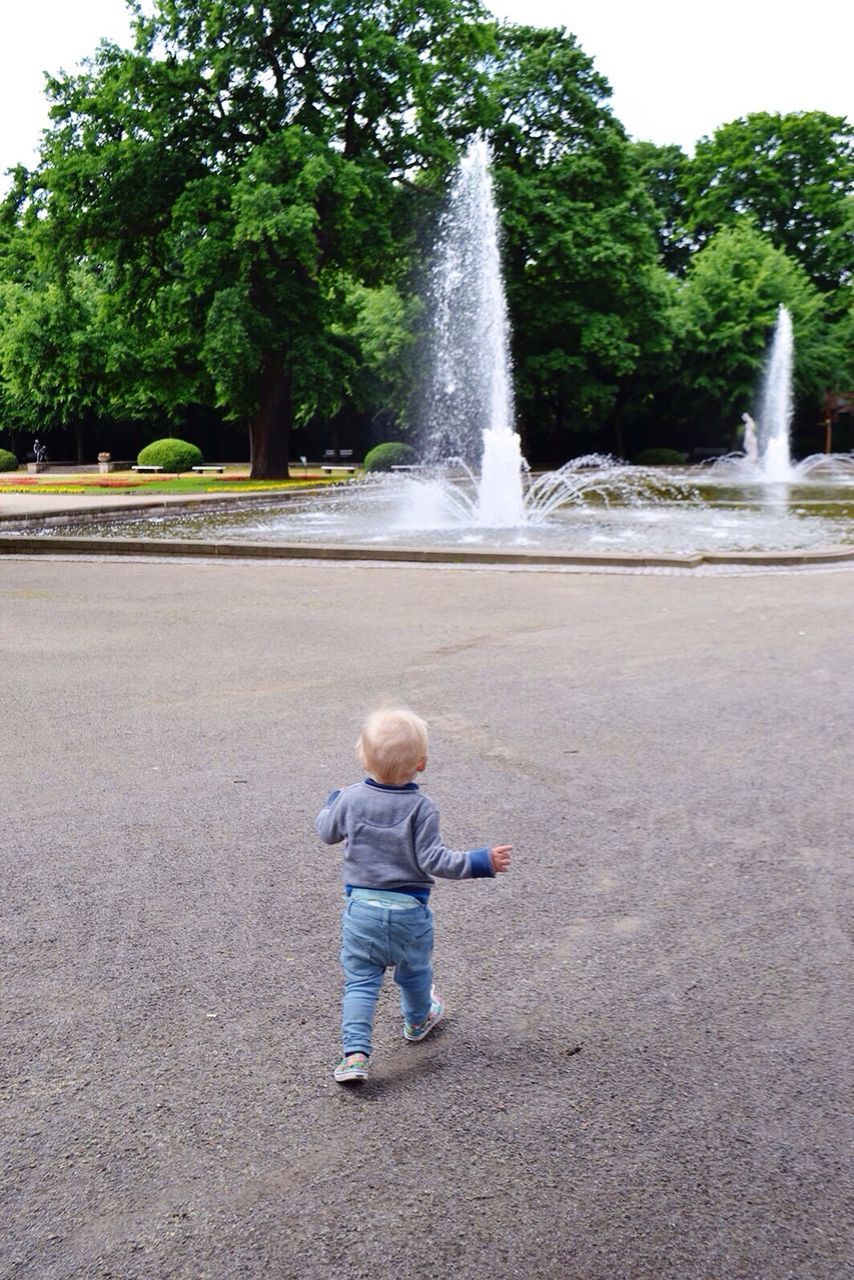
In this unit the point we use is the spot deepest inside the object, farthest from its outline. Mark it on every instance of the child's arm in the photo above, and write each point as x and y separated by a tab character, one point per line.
436	859
327	823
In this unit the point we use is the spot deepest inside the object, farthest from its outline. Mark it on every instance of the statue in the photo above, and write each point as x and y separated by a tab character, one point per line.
750	442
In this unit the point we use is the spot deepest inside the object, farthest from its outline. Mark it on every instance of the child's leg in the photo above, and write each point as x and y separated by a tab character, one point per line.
413	970
361	988
363	974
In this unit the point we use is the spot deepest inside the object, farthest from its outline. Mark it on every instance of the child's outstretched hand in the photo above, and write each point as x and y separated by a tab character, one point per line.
500	857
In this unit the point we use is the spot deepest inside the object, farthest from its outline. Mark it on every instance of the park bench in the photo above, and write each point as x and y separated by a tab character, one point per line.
211	467
328	466
151	468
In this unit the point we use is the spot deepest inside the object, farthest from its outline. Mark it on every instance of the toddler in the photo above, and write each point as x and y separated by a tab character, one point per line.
392	851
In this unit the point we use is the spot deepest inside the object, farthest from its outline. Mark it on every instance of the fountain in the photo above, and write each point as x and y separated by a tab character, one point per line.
467	409
766	458
776	406
767	450
476	490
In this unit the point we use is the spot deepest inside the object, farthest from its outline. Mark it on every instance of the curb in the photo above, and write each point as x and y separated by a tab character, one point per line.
33	545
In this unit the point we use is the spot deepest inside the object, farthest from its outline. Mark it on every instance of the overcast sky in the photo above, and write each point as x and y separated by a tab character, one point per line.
677	70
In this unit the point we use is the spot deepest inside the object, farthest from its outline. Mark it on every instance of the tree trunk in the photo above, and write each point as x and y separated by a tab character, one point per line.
78	440
270	429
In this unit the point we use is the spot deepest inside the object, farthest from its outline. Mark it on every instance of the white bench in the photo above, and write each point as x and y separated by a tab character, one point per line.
202	470
138	468
338	460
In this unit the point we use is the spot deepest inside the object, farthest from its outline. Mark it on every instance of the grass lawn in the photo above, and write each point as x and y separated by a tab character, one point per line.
232	480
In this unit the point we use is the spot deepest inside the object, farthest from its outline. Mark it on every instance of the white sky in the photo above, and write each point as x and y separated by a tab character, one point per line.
677	70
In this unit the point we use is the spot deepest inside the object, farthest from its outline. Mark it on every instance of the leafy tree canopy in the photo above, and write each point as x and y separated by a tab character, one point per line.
225	216
586	296
793	173
662	170
728	307
239	170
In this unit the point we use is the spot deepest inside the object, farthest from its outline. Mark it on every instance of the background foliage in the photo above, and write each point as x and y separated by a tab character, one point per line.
224	235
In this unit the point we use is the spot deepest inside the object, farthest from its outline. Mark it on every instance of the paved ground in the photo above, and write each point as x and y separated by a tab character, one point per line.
644	1072
21	505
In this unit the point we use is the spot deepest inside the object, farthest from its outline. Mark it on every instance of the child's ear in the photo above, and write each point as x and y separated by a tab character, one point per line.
421	766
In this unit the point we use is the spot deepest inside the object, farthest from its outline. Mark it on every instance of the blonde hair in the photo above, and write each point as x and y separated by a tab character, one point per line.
392	744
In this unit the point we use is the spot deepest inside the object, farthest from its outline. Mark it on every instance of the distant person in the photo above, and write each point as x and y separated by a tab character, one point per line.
393	849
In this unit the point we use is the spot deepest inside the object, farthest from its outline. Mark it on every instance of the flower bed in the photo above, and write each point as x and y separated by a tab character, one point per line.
163	483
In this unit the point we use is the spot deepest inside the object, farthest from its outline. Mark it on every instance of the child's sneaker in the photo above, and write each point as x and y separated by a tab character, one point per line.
352	1069
418	1030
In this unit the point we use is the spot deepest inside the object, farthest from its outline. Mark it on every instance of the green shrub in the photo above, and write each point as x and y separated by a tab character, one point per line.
385	456
170	454
8	461
660	458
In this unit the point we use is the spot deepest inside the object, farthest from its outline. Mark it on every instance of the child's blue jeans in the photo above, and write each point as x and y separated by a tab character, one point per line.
374	939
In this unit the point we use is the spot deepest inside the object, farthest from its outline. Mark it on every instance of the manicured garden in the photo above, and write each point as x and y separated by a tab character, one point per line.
232	480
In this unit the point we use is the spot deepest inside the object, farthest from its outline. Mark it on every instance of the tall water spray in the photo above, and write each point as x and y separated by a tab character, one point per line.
469	394
776	405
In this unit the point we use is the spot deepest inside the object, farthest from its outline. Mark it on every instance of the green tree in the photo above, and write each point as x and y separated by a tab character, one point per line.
55	331
662	170
49	354
794	174
728	307
239	171
586	295
380	332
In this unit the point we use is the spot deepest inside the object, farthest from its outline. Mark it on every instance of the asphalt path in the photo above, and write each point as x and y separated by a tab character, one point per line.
645	1070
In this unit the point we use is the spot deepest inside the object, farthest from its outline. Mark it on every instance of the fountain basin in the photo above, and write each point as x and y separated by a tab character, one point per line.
683	515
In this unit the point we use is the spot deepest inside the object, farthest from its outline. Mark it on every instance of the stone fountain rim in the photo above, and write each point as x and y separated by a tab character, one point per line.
27	545
38	544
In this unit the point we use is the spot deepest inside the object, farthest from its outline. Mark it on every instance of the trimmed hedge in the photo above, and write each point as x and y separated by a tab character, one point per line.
170	454
660	458
8	461
385	456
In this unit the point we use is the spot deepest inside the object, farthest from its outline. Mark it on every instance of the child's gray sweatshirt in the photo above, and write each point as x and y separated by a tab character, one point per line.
392	839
